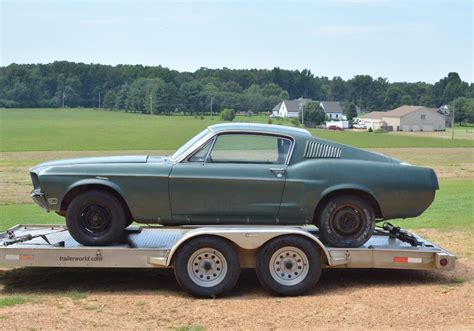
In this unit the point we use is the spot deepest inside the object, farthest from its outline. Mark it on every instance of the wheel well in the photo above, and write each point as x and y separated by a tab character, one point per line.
89	187
358	193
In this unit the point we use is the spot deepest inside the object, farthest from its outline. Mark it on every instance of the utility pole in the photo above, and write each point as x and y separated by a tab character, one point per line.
64	96
211	104
99	100
151	104
302	113
452	122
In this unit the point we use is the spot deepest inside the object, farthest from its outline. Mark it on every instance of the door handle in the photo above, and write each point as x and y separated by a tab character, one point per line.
279	172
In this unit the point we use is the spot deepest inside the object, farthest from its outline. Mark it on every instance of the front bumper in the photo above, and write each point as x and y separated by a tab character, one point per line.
40	199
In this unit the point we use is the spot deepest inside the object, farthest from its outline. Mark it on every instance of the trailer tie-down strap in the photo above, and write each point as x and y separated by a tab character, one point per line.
27	237
402	235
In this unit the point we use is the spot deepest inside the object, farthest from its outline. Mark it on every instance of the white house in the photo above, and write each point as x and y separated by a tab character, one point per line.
333	110
289	108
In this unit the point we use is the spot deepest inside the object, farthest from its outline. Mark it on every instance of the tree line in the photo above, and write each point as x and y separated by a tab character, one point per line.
159	90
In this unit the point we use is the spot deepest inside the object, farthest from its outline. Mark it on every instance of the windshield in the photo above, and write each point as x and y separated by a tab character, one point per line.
190	143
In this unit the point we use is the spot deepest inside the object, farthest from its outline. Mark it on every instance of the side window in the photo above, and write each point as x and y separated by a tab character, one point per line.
250	148
201	155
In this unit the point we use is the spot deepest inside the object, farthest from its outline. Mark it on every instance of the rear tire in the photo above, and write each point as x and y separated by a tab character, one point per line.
95	218
207	267
289	265
346	221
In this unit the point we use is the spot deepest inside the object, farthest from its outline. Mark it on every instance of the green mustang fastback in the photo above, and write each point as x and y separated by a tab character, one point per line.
236	174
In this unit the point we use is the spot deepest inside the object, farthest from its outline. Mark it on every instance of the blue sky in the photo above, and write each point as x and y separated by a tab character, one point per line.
398	40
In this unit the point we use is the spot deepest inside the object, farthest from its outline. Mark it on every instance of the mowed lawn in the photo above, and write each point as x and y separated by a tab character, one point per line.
88	129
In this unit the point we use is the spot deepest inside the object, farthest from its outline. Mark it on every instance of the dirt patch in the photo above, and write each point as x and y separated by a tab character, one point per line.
447	162
151	299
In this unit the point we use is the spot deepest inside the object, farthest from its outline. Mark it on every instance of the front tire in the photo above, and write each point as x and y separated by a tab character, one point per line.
289	265
207	267
346	221
95	218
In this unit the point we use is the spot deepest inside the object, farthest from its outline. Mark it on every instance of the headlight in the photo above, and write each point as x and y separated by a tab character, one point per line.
35	180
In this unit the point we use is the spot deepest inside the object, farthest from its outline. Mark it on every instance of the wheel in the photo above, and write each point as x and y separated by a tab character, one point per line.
289	265
95	218
346	221
207	267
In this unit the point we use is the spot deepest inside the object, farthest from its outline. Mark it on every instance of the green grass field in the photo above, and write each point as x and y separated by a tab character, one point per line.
87	129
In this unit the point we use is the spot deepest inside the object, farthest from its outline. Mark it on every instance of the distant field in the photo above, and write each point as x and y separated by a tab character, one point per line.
89	130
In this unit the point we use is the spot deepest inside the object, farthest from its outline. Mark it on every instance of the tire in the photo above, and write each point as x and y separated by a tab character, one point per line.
95	218
288	265
207	267
346	221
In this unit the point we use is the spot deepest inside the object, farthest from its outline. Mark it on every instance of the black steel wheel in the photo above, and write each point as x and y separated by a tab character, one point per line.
207	267
95	218
346	221
289	265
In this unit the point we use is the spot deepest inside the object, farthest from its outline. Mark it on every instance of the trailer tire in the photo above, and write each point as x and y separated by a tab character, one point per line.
288	265
346	221
207	267
95	218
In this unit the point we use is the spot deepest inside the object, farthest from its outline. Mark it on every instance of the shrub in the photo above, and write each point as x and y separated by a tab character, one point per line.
228	114
380	131
269	121
370	130
295	121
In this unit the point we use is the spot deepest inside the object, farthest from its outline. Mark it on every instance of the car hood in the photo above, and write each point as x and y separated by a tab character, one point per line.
94	160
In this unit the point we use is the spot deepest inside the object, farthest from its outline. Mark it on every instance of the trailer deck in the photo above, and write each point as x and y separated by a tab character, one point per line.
151	247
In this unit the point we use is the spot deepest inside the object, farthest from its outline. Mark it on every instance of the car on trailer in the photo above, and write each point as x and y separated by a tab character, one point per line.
234	174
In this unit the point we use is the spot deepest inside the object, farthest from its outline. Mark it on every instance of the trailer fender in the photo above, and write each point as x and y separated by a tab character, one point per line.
247	238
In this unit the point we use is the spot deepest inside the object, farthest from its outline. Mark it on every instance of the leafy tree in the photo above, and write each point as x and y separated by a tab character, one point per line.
228	114
312	113
463	110
109	99
350	111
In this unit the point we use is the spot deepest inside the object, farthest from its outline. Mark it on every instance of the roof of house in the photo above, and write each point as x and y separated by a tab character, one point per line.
332	106
377	115
292	105
397	112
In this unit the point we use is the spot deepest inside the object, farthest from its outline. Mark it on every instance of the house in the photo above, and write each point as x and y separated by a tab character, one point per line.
289	108
333	110
448	116
373	119
406	118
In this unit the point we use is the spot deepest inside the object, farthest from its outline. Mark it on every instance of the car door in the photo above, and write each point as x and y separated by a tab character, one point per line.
233	178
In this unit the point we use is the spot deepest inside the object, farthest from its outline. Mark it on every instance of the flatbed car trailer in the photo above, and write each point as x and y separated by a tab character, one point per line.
207	259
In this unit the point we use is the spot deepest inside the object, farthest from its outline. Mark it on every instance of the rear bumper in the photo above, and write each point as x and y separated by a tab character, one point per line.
40	199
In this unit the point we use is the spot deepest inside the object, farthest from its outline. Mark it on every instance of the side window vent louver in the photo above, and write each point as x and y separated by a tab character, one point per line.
316	150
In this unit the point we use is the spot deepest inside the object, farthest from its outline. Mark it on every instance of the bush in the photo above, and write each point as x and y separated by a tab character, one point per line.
270	121
370	130
295	121
228	114
202	117
380	131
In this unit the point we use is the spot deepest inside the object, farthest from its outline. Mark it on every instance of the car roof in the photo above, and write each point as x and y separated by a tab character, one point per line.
256	127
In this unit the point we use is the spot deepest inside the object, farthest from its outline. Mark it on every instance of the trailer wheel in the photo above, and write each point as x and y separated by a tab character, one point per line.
95	218
289	265
207	267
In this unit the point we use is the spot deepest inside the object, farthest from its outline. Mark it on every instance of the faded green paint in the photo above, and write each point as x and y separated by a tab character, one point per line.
174	191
